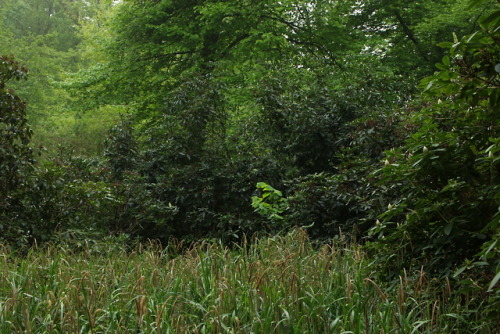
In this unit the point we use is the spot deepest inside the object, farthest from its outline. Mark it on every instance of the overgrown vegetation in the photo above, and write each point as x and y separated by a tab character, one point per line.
269	285
219	120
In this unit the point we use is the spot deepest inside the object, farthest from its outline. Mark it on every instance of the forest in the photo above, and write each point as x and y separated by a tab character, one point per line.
249	166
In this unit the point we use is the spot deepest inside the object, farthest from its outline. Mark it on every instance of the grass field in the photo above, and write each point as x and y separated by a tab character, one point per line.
271	285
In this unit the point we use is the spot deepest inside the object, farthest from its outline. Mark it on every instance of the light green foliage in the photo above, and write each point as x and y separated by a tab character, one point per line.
44	35
274	285
148	44
85	133
271	203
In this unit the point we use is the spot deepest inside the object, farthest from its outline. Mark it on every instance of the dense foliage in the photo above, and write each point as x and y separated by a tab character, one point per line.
231	118
273	285
448	170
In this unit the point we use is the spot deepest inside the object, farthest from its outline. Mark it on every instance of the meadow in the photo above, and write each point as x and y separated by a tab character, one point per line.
281	284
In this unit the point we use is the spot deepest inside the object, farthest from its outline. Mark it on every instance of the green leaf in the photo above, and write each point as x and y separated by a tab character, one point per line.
492	19
493	244
475	3
459	271
446	60
445	45
495	99
429	85
494	281
480	263
441	66
448	228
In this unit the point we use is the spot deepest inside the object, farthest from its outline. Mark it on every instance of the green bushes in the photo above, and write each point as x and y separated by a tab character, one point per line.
331	204
65	193
16	157
39	200
448	169
302	118
446	216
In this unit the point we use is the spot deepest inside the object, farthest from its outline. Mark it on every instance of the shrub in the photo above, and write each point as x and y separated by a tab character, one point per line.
448	171
16	157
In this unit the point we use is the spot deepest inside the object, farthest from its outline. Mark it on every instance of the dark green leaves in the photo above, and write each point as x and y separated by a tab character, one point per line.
448	169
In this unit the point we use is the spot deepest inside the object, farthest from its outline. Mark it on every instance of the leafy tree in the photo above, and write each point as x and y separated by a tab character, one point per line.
44	35
122	150
15	153
225	94
448	171
149	43
405	33
187	70
37	201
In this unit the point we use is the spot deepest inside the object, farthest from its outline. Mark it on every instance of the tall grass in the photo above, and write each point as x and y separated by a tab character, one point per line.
273	285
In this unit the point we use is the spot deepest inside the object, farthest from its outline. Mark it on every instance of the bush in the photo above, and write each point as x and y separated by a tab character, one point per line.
16	157
448	171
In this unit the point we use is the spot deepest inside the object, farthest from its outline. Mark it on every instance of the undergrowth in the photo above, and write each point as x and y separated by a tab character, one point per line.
270	285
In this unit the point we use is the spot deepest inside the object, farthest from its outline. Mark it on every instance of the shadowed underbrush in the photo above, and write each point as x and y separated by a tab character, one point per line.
271	285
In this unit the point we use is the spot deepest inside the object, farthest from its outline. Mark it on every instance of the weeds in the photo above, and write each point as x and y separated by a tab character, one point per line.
275	285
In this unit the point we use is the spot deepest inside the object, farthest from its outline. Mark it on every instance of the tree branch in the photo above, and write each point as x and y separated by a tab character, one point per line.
410	34
171	54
